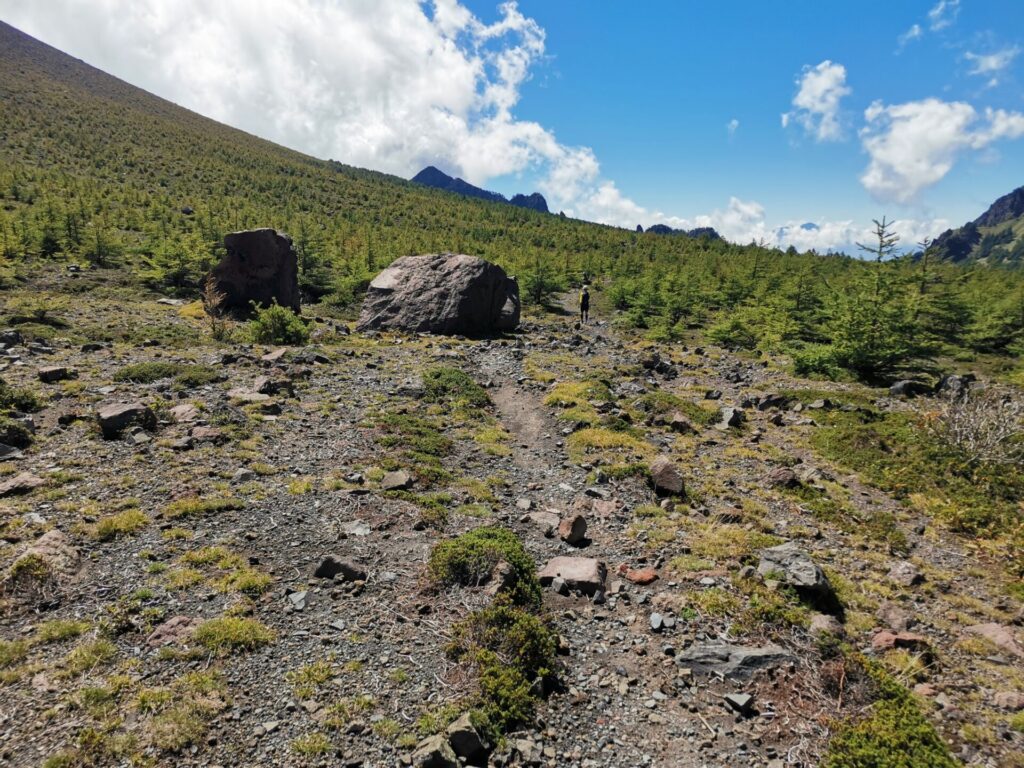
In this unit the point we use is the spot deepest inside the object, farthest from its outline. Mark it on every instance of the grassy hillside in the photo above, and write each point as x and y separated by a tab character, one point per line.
93	170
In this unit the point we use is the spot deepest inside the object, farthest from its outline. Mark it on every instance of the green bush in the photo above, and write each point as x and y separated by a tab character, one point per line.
277	325
451	385
816	360
470	558
18	399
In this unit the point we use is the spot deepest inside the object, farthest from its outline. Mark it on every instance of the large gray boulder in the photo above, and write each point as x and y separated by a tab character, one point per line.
442	293
260	266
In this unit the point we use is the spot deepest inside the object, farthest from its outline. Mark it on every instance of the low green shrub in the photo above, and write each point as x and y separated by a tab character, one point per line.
451	385
277	325
18	399
894	733
470	558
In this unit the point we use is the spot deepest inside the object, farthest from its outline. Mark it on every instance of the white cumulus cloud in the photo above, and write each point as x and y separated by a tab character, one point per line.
391	85
816	103
913	145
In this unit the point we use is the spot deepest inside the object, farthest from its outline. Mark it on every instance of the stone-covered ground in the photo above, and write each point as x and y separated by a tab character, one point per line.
175	618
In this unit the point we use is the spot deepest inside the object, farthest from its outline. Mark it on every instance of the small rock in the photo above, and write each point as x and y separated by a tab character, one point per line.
243	475
641	576
1000	636
114	419
55	373
781	477
905	574
396	481
435	752
340	570
666	478
823	624
743	703
465	740
1012	700
573	529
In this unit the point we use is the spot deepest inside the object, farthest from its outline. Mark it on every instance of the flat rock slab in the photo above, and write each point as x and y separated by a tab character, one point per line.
176	630
584	574
733	660
20	483
1000	636
114	419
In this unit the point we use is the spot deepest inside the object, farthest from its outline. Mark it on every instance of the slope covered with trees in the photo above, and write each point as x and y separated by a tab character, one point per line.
95	170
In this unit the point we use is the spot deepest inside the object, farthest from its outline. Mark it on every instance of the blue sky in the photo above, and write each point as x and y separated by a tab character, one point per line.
652	87
753	117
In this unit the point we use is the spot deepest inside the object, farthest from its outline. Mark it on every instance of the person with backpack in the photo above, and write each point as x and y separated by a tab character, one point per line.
584	305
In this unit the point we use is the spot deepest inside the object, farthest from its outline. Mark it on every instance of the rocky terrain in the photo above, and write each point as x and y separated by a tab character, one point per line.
234	569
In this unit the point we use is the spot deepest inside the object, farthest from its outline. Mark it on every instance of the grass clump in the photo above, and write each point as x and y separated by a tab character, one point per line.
233	633
443	384
88	655
661	403
469	560
120	524
607	446
312	744
194	505
59	630
306	680
181	715
894	734
575	400
277	325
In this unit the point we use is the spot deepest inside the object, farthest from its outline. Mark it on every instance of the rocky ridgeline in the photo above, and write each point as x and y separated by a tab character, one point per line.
219	555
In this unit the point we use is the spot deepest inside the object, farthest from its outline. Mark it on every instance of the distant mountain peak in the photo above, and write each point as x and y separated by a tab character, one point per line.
664	229
432	176
995	237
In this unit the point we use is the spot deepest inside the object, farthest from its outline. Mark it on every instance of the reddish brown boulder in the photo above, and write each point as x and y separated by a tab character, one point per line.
260	266
641	576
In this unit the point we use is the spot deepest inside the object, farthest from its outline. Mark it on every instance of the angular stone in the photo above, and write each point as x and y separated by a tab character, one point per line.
54	373
572	529
731	417
583	574
441	293
19	484
1011	700
666	478
732	660
885	641
185	413
435	752
794	567
781	477
396	481
546	520
823	624
1000	636
114	419
340	570
905	574
677	422
465	740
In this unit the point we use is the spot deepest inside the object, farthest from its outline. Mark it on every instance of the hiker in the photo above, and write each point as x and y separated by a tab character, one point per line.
584	304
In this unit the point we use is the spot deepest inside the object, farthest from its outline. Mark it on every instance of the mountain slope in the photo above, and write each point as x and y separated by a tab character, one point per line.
433	177
995	238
